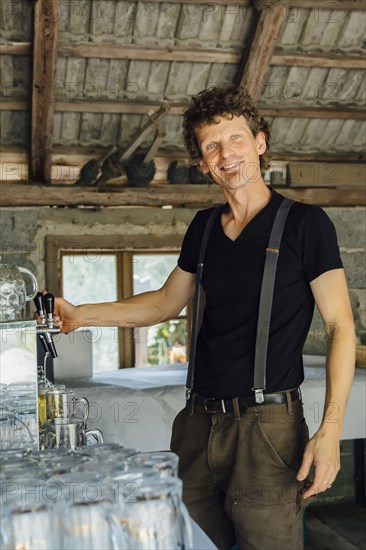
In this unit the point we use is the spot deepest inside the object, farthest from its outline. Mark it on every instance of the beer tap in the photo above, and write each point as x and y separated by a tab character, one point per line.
46	327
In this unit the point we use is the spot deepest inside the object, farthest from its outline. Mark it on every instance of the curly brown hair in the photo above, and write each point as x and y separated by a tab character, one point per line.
222	101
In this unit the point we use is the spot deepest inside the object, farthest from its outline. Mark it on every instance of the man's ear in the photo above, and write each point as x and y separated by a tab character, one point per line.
203	166
261	143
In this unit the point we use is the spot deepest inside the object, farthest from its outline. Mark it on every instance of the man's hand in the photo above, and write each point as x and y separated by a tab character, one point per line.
65	315
323	452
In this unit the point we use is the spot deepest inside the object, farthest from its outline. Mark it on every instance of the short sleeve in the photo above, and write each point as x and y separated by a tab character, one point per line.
320	250
188	257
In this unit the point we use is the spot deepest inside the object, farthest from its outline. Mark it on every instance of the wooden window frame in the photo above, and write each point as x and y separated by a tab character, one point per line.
124	248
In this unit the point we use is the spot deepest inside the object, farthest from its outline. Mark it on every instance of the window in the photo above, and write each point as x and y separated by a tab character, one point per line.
165	342
92	274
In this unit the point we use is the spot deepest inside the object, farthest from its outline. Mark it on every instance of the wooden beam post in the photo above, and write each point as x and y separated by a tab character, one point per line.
258	59
43	88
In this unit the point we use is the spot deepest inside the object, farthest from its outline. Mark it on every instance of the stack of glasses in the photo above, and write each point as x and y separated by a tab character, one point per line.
99	497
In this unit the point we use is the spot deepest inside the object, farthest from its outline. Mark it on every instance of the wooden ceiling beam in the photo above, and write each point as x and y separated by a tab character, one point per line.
260	4
77	156
141	108
329	60
127	52
15	48
327	7
301	111
20	194
257	59
44	88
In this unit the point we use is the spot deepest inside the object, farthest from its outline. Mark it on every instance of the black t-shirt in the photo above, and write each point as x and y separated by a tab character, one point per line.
232	278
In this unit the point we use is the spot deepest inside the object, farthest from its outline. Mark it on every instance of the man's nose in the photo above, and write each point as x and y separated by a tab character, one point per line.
225	150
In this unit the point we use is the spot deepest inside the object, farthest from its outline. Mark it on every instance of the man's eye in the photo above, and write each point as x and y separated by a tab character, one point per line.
211	146
236	136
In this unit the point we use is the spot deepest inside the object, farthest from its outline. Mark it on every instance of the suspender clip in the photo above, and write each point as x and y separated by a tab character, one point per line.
188	393
259	398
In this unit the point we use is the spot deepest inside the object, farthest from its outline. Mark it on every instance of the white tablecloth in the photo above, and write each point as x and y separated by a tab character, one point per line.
136	407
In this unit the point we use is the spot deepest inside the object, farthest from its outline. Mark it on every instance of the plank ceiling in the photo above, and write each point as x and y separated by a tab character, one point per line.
78	75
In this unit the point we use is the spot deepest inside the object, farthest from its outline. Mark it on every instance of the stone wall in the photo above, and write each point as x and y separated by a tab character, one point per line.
24	230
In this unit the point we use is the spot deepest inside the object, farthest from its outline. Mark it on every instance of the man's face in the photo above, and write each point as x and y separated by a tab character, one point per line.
230	152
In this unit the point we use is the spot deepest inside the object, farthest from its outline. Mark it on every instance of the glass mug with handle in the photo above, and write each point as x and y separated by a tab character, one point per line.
68	433
14	433
13	292
62	403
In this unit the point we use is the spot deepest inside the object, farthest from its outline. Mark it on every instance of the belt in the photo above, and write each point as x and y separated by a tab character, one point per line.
213	405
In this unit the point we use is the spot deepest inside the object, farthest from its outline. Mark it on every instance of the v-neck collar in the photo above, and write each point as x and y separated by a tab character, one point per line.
243	231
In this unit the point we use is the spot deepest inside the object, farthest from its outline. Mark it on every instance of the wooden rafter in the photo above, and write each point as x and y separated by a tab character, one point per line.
142	108
256	61
129	51
328	60
305	4
43	88
77	156
330	6
20	194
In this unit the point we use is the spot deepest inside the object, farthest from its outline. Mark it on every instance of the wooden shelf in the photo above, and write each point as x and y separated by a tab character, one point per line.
200	196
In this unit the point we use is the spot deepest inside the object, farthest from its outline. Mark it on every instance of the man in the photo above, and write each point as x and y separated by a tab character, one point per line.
245	466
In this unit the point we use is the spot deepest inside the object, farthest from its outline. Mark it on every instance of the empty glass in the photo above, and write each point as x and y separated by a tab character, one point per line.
89	523
68	434
153	514
14	433
13	293
28	522
165	462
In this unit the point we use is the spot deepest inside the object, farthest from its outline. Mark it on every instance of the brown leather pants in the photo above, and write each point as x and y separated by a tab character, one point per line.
239	474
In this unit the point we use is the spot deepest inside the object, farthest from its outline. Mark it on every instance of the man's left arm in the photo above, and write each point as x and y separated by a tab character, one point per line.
332	299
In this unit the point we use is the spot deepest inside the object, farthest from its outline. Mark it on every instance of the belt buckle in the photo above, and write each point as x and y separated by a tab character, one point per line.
221	401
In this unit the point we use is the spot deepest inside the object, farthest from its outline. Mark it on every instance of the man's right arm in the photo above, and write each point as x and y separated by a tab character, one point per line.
140	310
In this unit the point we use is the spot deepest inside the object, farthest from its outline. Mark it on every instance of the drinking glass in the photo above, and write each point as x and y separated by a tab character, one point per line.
29	522
91	524
14	433
62	403
153	514
68	433
165	462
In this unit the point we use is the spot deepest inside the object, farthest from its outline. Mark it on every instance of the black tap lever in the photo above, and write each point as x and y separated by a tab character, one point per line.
38	302
49	304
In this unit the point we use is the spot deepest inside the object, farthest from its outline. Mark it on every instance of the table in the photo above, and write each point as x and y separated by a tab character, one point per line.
136	407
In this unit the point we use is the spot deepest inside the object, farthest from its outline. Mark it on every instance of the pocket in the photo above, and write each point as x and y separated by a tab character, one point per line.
283	444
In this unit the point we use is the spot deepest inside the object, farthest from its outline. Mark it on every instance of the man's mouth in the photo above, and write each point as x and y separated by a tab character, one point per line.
230	167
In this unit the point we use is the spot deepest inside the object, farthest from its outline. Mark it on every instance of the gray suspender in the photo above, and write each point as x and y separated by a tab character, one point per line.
196	301
265	301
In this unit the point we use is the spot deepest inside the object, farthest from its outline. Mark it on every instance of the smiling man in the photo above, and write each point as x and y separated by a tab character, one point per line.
245	462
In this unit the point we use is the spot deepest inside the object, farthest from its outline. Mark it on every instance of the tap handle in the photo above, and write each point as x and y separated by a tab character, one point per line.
49	303
38	302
